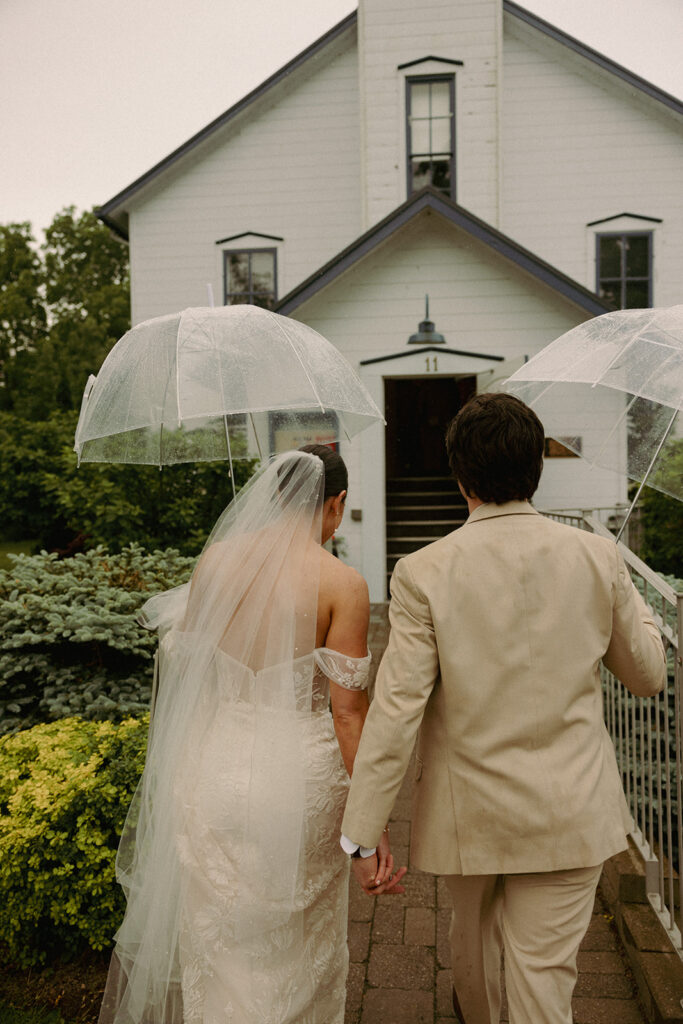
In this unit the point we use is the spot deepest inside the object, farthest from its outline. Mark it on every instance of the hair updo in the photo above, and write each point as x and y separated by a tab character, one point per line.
336	474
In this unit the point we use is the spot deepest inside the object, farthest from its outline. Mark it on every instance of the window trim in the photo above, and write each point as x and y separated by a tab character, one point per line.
433	77
244	250
623	279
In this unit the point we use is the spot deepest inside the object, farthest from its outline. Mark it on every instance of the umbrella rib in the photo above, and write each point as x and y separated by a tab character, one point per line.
303	365
177	365
225	420
648	470
627	409
258	443
626	347
232	471
613	431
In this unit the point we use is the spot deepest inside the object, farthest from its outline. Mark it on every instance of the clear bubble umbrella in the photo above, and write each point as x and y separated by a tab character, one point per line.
230	382
634	353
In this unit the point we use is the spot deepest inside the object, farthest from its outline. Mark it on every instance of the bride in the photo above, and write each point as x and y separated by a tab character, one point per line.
230	858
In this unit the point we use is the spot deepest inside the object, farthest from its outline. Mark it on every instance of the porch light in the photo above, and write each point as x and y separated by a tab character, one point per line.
426	335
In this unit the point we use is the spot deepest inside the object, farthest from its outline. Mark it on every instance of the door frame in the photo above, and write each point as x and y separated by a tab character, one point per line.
426	363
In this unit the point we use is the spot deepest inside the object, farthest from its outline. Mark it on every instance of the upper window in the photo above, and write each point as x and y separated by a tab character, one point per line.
624	264
430	111
250	275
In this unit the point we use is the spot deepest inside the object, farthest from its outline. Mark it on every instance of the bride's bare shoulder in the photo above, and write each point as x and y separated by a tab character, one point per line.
340	579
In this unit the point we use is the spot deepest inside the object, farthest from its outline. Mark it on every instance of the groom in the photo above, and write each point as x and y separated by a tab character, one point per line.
497	634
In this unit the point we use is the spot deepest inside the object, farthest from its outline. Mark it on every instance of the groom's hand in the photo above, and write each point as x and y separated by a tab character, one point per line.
375	883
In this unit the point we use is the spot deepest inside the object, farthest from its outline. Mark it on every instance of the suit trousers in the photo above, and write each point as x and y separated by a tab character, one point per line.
538	921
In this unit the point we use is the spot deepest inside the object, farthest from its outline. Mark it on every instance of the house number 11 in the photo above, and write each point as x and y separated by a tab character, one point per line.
434	366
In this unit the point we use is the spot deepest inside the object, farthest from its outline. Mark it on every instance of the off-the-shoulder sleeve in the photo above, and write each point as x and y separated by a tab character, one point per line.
351	673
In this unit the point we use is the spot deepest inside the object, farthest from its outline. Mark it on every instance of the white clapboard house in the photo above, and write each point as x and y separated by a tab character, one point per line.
463	149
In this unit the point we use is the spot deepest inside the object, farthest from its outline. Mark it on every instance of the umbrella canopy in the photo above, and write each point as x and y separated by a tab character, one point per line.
228	382
634	353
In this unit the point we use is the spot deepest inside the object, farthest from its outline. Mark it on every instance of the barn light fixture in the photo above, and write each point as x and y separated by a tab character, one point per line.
426	334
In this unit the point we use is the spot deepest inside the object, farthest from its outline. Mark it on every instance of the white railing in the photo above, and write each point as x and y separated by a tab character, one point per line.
647	737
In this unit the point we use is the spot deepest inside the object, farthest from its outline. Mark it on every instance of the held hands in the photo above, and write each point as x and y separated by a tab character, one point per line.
376	874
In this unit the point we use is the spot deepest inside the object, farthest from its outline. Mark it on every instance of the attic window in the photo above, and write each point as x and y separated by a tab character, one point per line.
430	133
624	263
250	276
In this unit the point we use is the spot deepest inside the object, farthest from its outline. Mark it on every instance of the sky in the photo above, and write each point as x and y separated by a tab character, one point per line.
95	92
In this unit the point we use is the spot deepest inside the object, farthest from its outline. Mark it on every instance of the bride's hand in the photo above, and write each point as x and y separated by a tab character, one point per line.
386	880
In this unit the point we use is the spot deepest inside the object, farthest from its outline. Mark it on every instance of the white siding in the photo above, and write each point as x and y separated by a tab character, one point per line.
578	146
546	142
394	32
480	303
290	168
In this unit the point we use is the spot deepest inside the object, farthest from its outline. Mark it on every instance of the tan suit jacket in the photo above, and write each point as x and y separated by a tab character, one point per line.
497	633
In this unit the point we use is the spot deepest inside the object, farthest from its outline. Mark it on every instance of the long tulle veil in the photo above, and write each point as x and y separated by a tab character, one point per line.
221	804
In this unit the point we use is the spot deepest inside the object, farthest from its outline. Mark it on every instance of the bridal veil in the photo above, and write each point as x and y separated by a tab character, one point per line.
214	836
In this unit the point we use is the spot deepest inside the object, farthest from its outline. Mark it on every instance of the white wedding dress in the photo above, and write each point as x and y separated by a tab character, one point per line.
297	971
235	881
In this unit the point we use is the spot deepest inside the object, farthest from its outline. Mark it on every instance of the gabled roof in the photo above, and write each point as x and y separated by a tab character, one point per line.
592	55
113	212
429	199
107	211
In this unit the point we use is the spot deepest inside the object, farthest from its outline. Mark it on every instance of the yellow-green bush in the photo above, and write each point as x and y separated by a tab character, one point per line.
65	789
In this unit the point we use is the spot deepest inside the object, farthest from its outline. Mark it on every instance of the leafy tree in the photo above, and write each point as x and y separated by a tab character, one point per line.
61	310
23	314
87	291
44	495
116	504
663	515
29	450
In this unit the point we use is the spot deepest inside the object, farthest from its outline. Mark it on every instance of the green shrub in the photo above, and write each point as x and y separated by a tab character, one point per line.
662	519
64	793
69	640
44	494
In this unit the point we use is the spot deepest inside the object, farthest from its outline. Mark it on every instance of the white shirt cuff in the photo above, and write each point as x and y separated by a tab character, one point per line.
348	846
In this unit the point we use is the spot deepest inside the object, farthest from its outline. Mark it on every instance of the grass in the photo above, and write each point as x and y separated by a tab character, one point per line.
14	547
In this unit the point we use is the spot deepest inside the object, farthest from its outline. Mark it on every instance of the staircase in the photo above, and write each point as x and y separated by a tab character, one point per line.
420	509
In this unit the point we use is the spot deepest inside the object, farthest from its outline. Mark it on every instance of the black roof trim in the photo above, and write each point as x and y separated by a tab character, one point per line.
423	60
275	79
254	234
112	225
104	211
431	348
593	55
616	216
428	198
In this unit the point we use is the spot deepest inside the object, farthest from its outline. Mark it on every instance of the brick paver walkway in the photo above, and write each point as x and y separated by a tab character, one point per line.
399	945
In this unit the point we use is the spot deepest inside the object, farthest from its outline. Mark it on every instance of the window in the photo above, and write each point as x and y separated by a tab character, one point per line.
556	447
624	263
249	275
430	133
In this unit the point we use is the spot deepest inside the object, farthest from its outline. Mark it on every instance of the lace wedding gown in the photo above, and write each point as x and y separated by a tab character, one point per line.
296	971
235	882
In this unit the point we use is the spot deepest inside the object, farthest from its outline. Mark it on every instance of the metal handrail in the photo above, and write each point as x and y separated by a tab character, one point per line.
648	739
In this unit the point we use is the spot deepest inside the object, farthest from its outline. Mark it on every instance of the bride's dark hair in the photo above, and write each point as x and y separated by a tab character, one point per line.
336	473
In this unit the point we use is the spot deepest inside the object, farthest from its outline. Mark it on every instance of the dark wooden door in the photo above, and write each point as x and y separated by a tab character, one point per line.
417	411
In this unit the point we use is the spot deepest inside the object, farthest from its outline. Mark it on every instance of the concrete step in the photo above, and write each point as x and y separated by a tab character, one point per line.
421	483
433	512
432	528
417	499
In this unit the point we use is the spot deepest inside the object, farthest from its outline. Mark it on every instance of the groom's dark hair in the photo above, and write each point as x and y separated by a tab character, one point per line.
495	448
